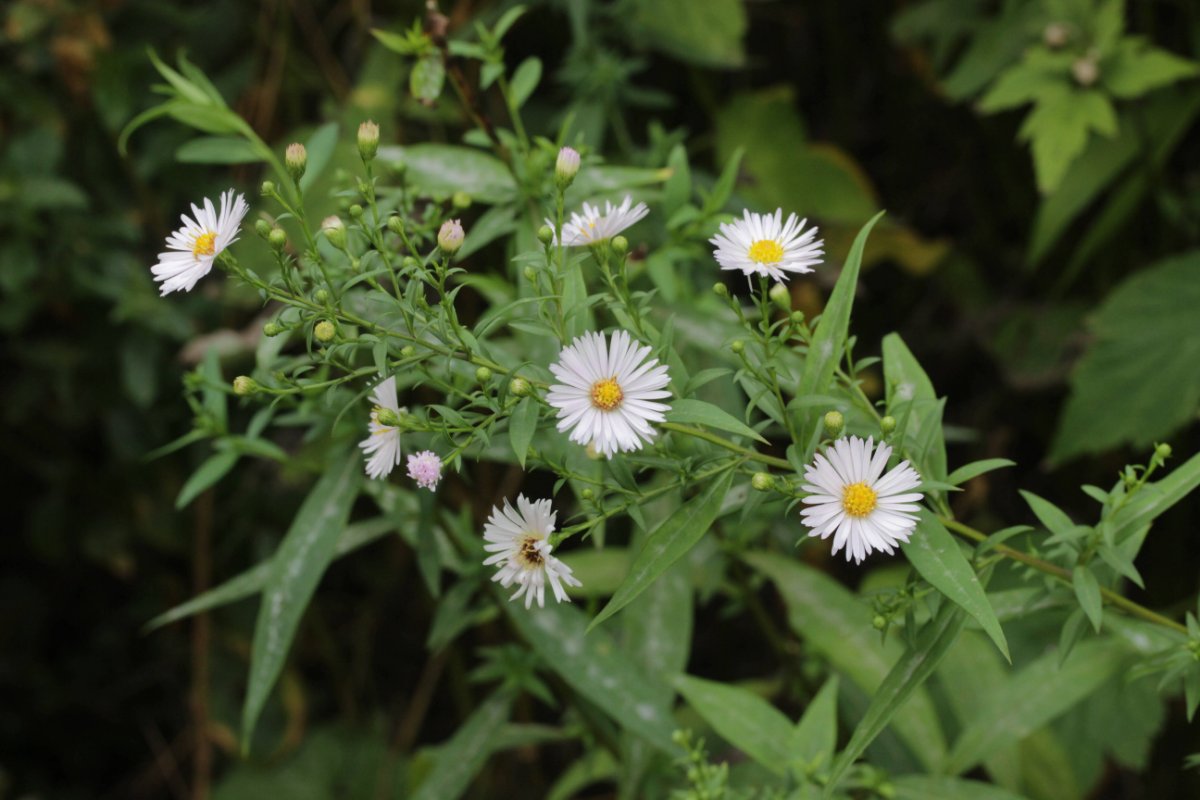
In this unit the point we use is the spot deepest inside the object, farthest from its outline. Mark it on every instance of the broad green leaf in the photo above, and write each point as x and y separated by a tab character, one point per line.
977	468
457	761
658	628
1087	591
427	78
912	400
994	46
698	412
1040	71
211	470
704	32
1058	129
1137	382
296	568
906	676
600	570
931	787
522	425
744	719
1136	68
836	624
814	738
940	560
218	150
1034	696
441	170
669	542
593	666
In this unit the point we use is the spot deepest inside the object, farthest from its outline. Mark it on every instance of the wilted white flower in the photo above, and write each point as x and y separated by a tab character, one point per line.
426	469
592	227
519	542
849	499
382	447
195	246
606	394
763	244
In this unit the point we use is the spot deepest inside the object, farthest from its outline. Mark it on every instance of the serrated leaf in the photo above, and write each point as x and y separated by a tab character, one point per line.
1058	129
522	425
296	568
744	719
669	542
697	412
940	560
1136	68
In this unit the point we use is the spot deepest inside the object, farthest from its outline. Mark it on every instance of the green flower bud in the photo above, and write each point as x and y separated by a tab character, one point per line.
410	263
834	423
737	345
385	416
450	236
461	200
244	386
887	424
267	188
400	168
545	234
566	167
295	158
277	239
321	296
518	387
408	351
272	329
620	245
395	225
781	297
368	140
530	274
356	211
324	331
588	495
720	290
879	622
797	317
1163	451
335	231
763	481
262	228
483	374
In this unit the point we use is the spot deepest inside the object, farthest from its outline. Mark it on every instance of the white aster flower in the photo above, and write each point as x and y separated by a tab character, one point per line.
849	499
592	227
606	394
382	447
763	244
519	542
194	247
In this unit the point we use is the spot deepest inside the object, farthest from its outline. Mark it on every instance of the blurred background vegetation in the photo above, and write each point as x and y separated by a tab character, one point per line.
1039	164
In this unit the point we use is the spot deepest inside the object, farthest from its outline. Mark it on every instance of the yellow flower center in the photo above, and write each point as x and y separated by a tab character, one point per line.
766	251
607	394
204	245
529	555
858	499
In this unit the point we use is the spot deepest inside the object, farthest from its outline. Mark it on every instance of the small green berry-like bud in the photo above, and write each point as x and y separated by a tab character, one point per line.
887	424
262	228
763	481
244	386
268	187
545	234
566	167
1163	451
737	345
408	351
410	263
272	329
385	416
797	317
461	200
588	495
356	211
483	374
530	274
335	231
450	236
781	297
277	239
834	422
620	245
325	331
518	387
879	622
368	140
395	225
321	296
720	290
295	158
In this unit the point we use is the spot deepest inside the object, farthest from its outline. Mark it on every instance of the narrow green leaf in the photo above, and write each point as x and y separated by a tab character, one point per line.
814	738
698	412
977	468
836	624
211	470
522	424
296	568
1051	516
320	146
930	787
912	400
457	761
525	80
1087	591
1034	696
218	150
668	543
1155	498
908	674
744	719
940	560
658	628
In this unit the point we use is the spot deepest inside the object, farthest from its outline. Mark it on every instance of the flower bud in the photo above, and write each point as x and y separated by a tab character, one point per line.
887	424
368	140
620	245
450	236
720	290
592	452
587	495
277	239
1056	35
566	167
324	331
295	158
737	345
1163	451
335	231
879	622
781	297
834	423
272	329
1086	71
460	200
262	228
244	386
797	318
396	225
483	374
408	351
530	274
385	416
518	387
410	263
545	234
267	188
356	211
763	481
321	296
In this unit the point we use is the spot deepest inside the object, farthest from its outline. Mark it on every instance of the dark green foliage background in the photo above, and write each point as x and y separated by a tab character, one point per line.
92	361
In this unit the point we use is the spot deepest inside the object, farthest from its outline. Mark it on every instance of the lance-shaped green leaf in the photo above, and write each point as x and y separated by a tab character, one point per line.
837	624
698	412
1087	592
1036	695
813	739
296	568
940	560
929	787
213	468
592	665
911	399
905	677
458	760
1155	498
521	427
977	468
744	719
669	542
829	339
